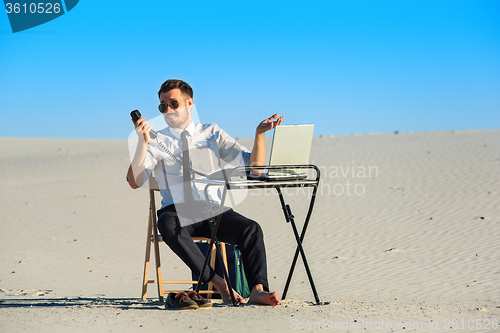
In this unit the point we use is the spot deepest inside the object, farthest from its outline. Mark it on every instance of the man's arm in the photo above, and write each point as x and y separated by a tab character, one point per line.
258	155
138	165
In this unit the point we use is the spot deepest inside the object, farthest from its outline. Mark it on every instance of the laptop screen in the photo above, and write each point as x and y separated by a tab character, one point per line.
291	144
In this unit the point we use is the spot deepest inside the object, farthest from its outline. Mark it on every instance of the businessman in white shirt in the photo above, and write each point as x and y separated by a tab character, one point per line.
202	148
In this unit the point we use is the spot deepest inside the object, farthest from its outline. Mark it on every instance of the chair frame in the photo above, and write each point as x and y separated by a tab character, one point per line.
154	239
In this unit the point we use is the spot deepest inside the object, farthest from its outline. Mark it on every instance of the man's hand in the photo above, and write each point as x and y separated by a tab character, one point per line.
269	123
142	128
258	154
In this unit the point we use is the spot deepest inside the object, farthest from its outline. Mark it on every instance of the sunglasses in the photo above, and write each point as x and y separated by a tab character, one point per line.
173	104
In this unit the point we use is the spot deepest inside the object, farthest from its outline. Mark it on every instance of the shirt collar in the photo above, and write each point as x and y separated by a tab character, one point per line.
177	131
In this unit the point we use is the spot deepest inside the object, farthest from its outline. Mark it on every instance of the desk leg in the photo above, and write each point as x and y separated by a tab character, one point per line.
289	218
221	263
217	246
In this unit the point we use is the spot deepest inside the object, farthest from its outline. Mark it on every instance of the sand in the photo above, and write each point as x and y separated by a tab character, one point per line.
404	234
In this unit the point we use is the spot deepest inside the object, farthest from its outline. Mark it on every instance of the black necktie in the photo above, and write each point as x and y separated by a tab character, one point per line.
186	174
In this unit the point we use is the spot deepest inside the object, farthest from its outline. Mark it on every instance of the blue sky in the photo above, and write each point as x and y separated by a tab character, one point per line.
345	66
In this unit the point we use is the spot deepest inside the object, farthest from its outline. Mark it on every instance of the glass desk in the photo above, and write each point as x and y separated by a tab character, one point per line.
228	185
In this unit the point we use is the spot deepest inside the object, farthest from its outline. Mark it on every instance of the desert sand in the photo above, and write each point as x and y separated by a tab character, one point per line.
404	235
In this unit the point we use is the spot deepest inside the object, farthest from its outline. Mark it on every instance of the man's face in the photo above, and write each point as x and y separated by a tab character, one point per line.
180	117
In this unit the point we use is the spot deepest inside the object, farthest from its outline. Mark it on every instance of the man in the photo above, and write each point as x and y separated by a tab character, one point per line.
209	146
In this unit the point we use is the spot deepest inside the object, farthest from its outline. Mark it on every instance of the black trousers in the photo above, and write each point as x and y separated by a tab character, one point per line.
234	229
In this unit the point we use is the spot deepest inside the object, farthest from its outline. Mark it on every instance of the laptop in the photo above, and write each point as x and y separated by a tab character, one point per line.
291	146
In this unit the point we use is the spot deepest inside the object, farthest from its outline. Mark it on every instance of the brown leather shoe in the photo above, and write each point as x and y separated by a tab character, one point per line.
181	301
201	301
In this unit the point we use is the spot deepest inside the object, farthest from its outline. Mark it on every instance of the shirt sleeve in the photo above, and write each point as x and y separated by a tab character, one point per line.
231	151
150	162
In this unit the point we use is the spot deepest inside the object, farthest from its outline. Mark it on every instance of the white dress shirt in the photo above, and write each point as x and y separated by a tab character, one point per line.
210	149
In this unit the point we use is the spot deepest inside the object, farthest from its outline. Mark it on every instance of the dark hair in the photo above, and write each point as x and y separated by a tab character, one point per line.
176	84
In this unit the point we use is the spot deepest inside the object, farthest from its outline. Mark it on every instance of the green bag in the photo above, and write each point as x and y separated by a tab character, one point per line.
234	266
239	276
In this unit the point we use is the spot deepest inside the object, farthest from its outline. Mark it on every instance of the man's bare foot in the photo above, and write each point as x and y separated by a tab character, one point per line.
226	297
221	286
259	296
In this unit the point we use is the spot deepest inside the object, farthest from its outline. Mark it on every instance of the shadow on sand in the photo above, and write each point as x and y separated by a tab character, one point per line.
118	303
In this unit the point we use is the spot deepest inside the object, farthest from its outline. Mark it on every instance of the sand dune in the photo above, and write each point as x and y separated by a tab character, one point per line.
405	229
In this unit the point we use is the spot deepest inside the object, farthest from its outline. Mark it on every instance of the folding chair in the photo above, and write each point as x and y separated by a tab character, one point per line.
153	238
